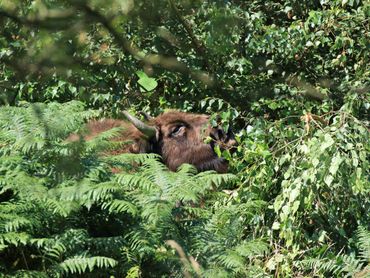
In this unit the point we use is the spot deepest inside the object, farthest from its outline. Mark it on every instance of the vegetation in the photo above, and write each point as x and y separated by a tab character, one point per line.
291	76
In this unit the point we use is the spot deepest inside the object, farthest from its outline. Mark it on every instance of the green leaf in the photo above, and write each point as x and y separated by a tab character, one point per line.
218	150
148	83
80	264
328	180
275	225
328	141
335	162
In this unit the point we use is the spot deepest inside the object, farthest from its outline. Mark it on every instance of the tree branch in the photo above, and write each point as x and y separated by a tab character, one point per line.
198	46
151	59
62	21
52	21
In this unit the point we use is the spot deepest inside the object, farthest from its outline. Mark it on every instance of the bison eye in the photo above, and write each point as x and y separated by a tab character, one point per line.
176	131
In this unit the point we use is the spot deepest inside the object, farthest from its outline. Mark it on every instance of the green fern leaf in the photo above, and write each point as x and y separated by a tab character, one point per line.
16	223
16	239
363	236
118	206
80	264
252	248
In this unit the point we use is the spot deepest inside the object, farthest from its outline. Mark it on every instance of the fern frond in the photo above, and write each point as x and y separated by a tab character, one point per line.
101	141
196	211
156	172
134	272
157	211
188	192
100	192
216	272
16	223
118	206
252	248
30	128
49	247
210	178
3	246
135	181
363	242
321	265
139	244
131	158
350	265
25	185
187	170
343	264
62	208
16	239
111	245
232	260
39	242
80	264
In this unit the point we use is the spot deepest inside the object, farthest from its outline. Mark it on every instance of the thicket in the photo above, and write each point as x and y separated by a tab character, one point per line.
292	77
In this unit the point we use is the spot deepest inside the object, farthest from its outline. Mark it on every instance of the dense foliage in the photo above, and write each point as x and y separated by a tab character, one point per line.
291	76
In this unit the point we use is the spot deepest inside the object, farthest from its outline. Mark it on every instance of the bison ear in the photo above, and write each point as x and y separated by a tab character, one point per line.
150	132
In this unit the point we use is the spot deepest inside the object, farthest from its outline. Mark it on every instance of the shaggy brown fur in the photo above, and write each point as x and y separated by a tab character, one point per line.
180	139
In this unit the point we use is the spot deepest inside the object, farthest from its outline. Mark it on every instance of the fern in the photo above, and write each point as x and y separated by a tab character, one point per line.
363	243
30	128
133	272
58	207
64	204
160	190
232	260
216	272
235	259
130	158
253	248
101	141
100	192
14	238
343	265
81	264
16	223
52	248
118	206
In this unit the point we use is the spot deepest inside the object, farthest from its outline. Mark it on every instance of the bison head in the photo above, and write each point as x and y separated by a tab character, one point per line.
177	136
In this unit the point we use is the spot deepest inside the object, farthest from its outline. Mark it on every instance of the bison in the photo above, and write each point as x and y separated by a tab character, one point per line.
178	137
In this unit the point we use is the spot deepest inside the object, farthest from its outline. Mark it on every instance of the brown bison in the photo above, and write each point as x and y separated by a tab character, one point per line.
177	136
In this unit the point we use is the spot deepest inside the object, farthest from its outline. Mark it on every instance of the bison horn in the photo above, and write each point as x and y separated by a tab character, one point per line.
147	130
146	115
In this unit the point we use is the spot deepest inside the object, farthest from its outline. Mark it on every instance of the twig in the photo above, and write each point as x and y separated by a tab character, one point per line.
184	259
199	47
60	20
24	259
152	59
